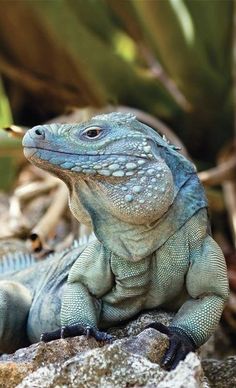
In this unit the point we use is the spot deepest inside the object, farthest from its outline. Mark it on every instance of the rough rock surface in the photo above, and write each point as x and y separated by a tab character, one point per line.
112	366
14	367
131	360
135	326
221	374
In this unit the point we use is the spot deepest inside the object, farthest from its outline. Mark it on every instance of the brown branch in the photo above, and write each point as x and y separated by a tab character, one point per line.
33	189
229	189
229	313
50	219
159	73
18	225
234	64
38	85
15	131
223	172
77	115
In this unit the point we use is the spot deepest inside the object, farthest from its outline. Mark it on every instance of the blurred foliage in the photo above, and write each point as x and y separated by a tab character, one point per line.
10	149
171	58
5	111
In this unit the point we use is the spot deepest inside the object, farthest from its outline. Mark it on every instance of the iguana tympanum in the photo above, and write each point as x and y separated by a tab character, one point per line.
153	248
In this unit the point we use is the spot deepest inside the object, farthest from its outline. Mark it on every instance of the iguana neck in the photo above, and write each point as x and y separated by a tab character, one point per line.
129	240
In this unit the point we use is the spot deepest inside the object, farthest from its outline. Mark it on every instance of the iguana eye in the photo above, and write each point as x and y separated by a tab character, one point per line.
92	132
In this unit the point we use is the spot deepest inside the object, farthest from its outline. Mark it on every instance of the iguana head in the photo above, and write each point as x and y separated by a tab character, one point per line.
117	169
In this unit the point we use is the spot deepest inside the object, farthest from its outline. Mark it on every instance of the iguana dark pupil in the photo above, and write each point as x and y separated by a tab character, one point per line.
93	132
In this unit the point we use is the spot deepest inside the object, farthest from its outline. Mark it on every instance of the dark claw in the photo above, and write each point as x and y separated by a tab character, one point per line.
50	336
172	352
179	346
72	331
100	335
179	357
76	330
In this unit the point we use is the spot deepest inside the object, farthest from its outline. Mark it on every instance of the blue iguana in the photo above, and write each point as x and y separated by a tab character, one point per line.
153	247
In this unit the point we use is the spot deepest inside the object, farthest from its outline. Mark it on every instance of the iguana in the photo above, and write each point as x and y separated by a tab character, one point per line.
153	246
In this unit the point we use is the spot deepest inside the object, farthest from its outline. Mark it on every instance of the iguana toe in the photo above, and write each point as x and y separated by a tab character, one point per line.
50	335
99	335
76	330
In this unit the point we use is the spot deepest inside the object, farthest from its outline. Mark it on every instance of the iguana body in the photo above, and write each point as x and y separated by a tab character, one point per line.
148	211
30	299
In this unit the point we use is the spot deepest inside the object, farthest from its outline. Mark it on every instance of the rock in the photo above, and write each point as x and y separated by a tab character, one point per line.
113	367
14	367
135	326
131	360
188	373
150	343
110	366
221	374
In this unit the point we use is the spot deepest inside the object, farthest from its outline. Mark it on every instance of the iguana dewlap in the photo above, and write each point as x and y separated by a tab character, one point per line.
149	214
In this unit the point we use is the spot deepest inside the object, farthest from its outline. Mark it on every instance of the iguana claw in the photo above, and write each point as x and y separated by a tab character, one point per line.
76	330
180	344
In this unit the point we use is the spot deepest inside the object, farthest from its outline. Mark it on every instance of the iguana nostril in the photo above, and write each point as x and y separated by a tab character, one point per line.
40	132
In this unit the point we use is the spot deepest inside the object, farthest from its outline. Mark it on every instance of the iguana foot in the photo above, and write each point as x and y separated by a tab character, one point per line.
180	345
76	330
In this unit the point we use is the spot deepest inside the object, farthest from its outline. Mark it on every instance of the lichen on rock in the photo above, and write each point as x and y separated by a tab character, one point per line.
131	360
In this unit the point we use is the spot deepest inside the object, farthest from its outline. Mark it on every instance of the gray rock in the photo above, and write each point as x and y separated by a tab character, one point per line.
221	374
150	343
132	360
113	367
14	367
135	326
188	374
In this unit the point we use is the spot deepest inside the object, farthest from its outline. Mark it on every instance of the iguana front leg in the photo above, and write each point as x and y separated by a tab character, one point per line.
80	312
207	286
79	315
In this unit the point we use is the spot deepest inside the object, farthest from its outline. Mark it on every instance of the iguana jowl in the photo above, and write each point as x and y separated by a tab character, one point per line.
153	247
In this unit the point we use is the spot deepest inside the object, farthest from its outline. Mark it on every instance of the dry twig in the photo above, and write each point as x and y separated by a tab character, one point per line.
223	172
158	72
50	219
15	131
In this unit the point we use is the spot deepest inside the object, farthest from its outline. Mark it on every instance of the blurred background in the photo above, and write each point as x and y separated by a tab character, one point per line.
172	62
171	58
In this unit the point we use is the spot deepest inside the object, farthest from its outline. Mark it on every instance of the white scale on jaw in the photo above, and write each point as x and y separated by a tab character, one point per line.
146	198
150	184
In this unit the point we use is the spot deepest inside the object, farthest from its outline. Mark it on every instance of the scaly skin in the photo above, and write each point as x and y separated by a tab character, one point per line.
153	247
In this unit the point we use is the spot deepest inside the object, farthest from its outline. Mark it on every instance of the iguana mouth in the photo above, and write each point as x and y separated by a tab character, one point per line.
85	154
